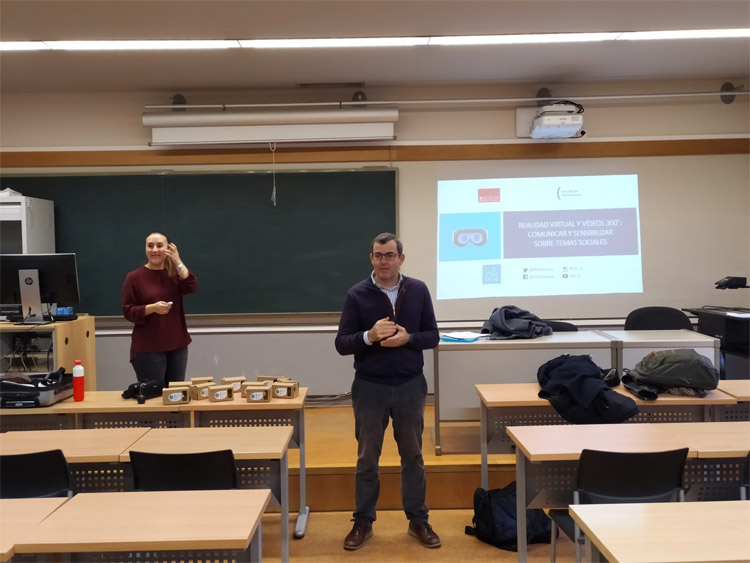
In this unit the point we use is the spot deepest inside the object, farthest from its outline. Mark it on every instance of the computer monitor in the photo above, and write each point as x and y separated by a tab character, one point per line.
32	279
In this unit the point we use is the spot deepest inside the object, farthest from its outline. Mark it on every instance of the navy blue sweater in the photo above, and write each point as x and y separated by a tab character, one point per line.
365	304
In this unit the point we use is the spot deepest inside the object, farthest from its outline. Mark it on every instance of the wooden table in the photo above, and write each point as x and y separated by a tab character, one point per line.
740	390
515	404
260	455
633	345
459	366
152	521
665	532
93	455
712	440
79	446
277	412
107	409
18	515
547	458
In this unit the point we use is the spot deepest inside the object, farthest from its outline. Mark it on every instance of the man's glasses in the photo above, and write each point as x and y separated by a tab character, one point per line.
389	256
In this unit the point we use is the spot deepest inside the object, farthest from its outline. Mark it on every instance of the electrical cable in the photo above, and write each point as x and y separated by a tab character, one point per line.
320	399
568	102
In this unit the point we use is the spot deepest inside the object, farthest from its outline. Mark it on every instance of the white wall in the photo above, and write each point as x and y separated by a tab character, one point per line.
695	209
113	119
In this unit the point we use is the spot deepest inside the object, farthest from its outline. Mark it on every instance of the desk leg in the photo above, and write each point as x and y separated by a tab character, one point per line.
483	445
521	505
256	545
285	509
436	396
304	510
591	552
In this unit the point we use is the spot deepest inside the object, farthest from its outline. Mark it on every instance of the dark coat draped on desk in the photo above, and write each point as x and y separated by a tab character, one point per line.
574	387
513	322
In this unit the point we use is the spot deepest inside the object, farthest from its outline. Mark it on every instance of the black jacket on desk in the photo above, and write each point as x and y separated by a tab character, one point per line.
574	387
365	304
510	321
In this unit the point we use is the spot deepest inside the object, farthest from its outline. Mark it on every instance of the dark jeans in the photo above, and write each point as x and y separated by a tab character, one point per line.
161	366
374	404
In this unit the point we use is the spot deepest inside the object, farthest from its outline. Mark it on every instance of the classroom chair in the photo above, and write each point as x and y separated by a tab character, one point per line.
183	472
657	318
35	475
617	477
561	326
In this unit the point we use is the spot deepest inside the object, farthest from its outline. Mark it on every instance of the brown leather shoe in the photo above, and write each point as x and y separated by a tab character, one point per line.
425	534
361	532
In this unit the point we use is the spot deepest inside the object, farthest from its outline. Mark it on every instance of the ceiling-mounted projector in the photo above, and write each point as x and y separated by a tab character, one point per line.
558	121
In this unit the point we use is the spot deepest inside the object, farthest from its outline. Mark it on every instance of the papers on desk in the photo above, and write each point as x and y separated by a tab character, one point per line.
462	336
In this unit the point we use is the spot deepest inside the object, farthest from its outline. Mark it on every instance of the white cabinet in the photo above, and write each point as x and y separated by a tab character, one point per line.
27	225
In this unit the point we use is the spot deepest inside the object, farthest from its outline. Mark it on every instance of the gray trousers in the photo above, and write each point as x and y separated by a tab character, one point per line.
374	404
161	366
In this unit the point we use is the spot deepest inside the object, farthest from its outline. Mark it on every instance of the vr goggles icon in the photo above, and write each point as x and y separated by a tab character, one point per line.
477	237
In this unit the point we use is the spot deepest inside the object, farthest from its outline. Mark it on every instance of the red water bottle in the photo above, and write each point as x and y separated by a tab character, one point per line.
78	381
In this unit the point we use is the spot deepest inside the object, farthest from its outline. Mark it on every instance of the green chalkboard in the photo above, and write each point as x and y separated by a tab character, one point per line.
250	256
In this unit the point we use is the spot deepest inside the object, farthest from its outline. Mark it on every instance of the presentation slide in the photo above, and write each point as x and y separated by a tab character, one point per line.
517	237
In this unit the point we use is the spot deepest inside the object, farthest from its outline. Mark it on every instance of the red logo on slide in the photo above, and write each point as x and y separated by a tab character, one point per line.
487	195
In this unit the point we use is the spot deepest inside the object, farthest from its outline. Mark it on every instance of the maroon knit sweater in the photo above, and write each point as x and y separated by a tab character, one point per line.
156	333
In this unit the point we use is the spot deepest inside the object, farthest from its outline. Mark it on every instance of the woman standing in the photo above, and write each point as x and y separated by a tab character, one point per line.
152	301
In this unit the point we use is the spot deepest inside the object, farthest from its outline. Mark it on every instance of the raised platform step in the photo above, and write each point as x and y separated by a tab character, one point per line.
332	454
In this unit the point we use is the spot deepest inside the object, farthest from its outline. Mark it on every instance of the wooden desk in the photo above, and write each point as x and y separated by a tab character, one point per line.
69	341
461	365
147	521
79	446
277	412
547	459
633	345
17	515
712	440
515	404
740	390
260	455
93	455
107	409
665	532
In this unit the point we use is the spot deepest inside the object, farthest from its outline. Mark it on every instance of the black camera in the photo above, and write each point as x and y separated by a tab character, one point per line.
143	390
731	282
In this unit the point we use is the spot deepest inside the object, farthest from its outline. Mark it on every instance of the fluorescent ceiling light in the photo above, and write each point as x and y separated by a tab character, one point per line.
523	39
685	34
520	39
154	45
23	46
333	42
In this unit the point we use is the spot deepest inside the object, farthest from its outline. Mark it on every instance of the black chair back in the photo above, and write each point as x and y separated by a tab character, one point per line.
617	477
561	326
34	475
657	318
183	472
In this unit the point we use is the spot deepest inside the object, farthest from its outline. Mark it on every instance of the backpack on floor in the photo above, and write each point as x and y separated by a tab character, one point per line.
495	519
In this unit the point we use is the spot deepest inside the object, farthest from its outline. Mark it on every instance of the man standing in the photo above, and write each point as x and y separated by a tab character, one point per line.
386	322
